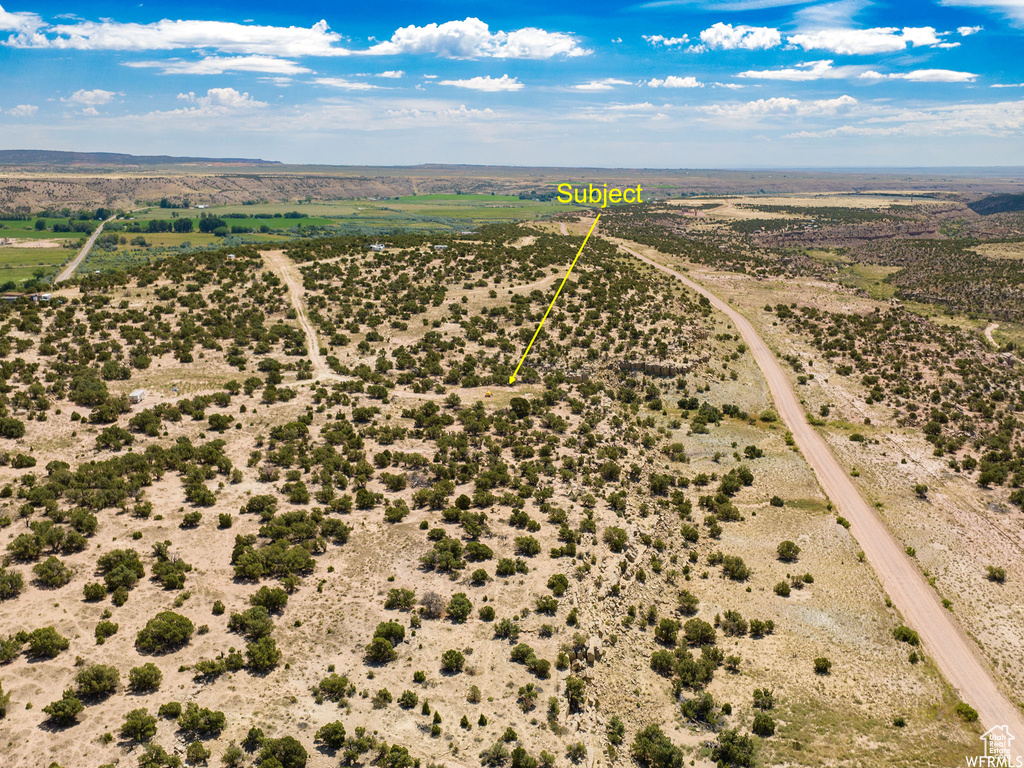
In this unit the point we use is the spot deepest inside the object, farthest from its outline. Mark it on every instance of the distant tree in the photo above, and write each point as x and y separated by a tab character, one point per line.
653	749
331	735
788	551
459	607
822	665
263	654
615	538
452	661
575	692
165	632
763	725
287	751
11	583
97	681
46	642
65	710
52	572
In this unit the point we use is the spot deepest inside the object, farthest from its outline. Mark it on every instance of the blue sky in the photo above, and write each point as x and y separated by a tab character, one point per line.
666	83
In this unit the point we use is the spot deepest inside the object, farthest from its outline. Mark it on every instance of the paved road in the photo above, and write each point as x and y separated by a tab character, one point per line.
69	270
953	652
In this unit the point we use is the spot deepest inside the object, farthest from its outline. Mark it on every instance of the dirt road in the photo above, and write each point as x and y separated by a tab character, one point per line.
289	272
988	334
69	270
954	654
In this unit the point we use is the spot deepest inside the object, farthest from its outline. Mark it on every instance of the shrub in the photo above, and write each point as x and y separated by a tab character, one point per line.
764	698
46	642
486	613
459	607
138	725
273	599
733	749
782	589
11	583
576	751
195	752
788	552
52	572
906	635
65	710
165	632
287	751
995	573
615	538
380	651
145	678
666	631
332	735
558	584
651	748
97	681
688	603
575	692
263	654
196	719
822	665
776	501
171	710
967	712
400	599
408	699
254	622
104	630
121	568
94	592
763	725
154	756
699	632
452	661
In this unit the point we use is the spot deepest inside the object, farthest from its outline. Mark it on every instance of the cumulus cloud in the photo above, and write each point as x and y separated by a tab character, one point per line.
20	22
607	84
672	81
345	84
166	35
780	106
808	70
218	65
221	100
487	83
865	41
668	42
968	31
23	110
923	76
394	74
728	37
94	98
471	38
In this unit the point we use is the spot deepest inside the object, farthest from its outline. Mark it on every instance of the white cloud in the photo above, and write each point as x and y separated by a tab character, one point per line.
221	100
947	45
672	81
780	106
668	42
218	65
394	74
728	37
808	70
344	84
166	35
967	31
487	83
23	110
94	98
420	116
923	76
865	41
608	84
472	38
1000	119
21	22
827	15
1013	9
1007	85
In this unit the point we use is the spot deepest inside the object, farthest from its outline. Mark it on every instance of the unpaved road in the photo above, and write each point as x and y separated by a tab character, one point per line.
988	334
954	654
69	270
289	272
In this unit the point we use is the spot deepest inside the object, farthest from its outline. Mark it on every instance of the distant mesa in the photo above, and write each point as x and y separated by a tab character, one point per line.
55	157
1001	203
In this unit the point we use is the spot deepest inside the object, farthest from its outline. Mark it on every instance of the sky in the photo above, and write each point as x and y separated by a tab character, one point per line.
648	84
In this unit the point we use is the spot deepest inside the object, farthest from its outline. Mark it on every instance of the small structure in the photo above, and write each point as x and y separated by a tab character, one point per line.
231	257
377	247
440	247
11	296
136	396
45	296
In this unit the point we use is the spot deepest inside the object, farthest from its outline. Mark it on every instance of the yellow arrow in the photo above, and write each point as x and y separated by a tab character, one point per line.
512	378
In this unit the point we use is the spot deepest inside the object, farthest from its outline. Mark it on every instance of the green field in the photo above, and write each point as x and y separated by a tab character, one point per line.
27	230
18	264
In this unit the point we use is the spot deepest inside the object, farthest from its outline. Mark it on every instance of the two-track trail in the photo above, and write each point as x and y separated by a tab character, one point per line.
952	651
